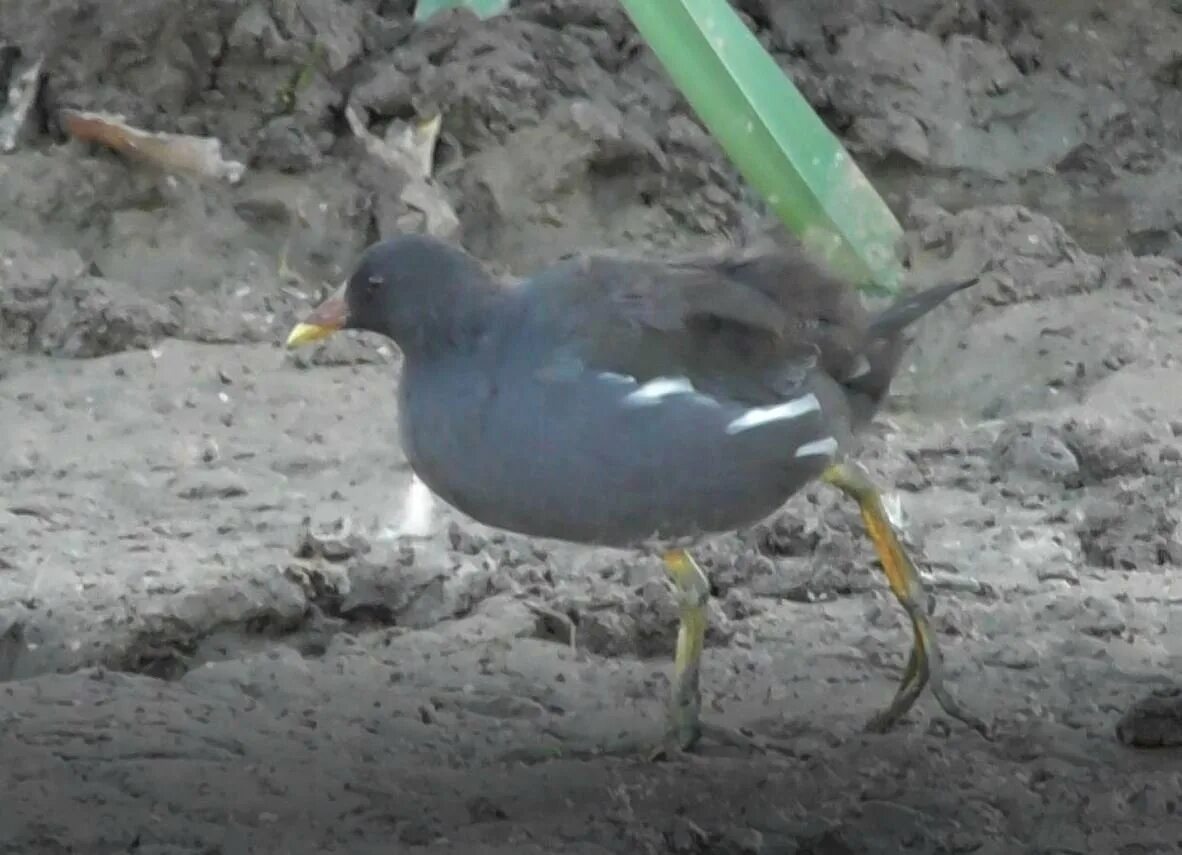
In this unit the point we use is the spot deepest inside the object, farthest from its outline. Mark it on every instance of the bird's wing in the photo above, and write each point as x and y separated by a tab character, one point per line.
750	327
713	322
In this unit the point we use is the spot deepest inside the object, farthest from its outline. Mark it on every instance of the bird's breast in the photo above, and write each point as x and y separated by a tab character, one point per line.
600	457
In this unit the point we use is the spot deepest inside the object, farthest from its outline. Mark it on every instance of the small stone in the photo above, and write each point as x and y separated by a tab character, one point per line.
1102	618
96	317
1018	655
1034	450
484	809
1154	721
1059	572
687	836
210	484
416	833
607	633
464	541
335	541
749	841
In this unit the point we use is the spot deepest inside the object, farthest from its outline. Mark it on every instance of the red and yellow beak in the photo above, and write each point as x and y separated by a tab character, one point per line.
327	318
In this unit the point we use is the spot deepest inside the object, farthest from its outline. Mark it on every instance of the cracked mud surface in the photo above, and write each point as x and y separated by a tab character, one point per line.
220	632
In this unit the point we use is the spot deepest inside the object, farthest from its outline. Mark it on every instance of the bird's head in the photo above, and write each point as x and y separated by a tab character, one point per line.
413	289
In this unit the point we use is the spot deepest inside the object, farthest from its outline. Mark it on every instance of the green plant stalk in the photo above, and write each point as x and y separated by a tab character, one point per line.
773	137
424	9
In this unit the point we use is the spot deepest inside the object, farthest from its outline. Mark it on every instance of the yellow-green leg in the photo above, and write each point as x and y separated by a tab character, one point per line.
924	666
685	699
685	726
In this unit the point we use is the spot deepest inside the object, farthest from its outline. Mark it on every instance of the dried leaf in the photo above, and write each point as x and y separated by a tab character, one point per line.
22	95
201	156
410	151
416	142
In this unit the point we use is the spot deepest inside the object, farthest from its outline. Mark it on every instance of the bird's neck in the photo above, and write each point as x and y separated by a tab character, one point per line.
453	320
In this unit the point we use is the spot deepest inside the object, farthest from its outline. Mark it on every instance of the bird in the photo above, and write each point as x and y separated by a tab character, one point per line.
640	402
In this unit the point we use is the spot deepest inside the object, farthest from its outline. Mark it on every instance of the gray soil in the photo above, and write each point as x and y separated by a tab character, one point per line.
218	632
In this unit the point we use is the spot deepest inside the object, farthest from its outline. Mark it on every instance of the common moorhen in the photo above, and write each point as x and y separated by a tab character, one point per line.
633	402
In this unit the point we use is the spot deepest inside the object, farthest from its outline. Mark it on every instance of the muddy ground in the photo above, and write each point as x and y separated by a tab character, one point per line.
227	625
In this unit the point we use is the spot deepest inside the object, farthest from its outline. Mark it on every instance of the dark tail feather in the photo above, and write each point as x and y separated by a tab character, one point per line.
885	345
910	309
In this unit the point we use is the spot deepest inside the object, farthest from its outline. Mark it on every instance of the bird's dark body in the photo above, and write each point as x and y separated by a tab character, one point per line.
621	402
614	401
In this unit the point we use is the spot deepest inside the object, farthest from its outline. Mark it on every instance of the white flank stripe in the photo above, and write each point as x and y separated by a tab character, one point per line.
826	447
622	379
757	416
661	387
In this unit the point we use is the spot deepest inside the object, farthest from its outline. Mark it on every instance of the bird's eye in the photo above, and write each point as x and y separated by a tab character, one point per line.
372	285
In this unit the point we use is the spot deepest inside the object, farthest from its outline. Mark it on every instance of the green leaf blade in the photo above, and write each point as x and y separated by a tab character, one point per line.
773	136
483	9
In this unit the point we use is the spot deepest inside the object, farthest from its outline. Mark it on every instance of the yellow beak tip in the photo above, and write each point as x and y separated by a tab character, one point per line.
302	334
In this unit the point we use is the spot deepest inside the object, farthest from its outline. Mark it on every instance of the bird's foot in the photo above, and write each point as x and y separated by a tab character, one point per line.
684	727
692	590
675	745
925	665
